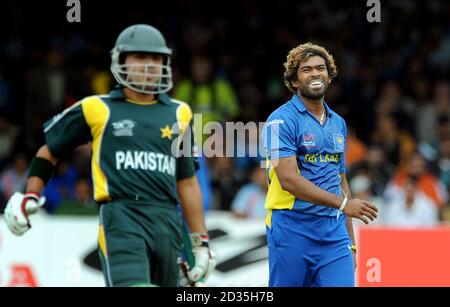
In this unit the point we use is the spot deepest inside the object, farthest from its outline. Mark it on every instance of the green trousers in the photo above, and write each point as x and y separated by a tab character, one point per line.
139	243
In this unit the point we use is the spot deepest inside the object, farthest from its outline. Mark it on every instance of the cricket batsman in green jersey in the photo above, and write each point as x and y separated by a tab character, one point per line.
140	168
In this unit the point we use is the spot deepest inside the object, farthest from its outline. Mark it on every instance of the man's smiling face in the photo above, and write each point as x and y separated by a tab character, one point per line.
312	78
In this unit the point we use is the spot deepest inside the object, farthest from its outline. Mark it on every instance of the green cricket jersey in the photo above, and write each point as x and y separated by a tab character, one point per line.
132	144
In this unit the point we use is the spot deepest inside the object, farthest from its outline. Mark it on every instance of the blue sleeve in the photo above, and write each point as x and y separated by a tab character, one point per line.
342	168
279	137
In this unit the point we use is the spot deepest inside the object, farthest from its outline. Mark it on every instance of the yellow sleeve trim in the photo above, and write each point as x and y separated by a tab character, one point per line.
184	115
96	114
102	241
277	198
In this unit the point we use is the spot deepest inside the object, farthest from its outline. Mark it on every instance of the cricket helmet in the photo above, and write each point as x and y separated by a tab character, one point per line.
146	39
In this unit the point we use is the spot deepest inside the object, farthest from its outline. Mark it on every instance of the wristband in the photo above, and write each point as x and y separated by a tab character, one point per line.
341	208
41	168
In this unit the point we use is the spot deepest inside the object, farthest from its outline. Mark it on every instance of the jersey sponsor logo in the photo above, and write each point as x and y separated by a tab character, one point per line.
322	158
339	142
146	161
309	140
275	121
57	117
123	127
55	120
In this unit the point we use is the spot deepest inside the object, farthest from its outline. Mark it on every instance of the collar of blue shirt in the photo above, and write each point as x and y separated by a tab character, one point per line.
300	105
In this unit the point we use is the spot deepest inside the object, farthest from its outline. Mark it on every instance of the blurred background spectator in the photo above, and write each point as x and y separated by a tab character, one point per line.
356	149
62	186
444	162
249	200
9	135
376	167
207	94
226	181
426	182
13	178
46	95
397	144
411	207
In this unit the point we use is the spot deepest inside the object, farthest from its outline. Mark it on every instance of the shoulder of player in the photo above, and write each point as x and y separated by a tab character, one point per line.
85	106
178	103
338	117
81	105
95	108
94	99
282	115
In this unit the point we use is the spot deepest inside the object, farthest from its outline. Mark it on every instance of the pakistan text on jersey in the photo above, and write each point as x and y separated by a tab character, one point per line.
143	160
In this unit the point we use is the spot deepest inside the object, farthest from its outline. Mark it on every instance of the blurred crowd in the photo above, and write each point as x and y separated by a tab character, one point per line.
392	88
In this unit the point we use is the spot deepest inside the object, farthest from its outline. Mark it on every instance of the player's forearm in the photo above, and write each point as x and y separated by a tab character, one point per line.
190	196
288	175
305	190
36	184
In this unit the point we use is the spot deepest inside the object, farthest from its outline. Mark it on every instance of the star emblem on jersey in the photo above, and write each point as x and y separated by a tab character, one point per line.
166	132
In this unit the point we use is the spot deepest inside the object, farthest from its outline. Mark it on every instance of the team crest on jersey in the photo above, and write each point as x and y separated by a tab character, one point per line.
339	142
123	127
309	140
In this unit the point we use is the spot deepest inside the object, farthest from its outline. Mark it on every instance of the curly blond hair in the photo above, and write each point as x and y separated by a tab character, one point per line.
300	54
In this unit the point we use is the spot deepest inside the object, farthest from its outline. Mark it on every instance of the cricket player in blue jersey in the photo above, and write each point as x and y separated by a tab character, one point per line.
309	221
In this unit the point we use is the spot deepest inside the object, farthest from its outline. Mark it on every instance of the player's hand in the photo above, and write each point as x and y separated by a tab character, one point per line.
361	209
204	262
18	209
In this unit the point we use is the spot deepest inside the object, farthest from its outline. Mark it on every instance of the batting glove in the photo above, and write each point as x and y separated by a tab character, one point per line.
204	262
18	209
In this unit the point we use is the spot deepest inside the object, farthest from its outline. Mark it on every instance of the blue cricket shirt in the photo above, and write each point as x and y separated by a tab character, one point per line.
291	130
